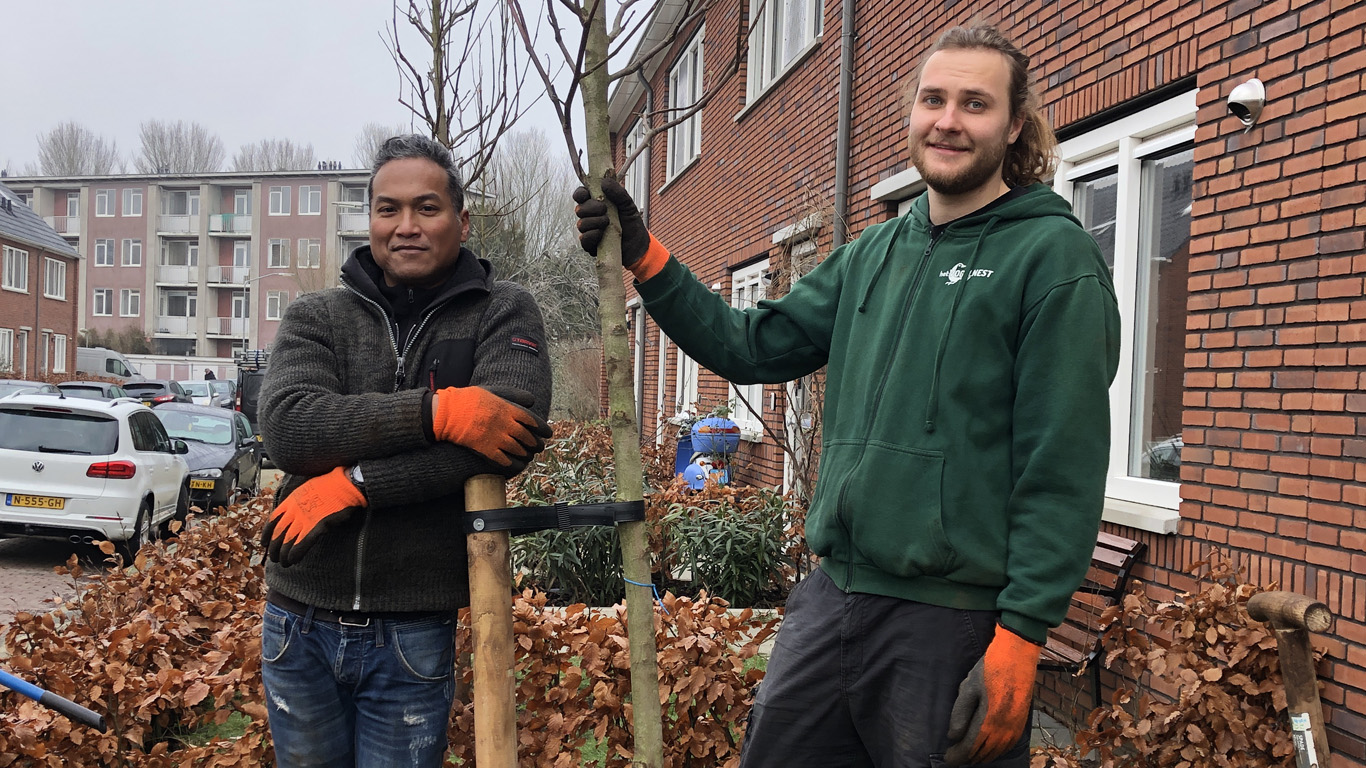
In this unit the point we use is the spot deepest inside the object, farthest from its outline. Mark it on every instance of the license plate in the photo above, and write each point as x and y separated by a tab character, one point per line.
201	485
147	403
41	502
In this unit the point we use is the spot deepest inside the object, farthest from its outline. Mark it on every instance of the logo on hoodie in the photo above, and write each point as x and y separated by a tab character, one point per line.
960	270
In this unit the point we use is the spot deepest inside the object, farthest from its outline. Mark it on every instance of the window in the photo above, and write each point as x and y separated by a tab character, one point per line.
1130	185
241	202
104	202
103	304
44	351
180	202
279	254
104	253
130	303
279	201
310	201
241	255
16	270
780	32
638	175
276	301
7	350
179	303
685	386
25	197
310	254
685	90
132	253
73	204
59	353
746	290
179	254
132	202
54	279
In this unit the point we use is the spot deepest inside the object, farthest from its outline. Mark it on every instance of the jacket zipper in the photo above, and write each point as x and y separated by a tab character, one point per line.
840	505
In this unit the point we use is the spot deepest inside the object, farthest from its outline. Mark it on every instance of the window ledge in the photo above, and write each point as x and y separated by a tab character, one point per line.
1143	517
678	173
751	434
754	99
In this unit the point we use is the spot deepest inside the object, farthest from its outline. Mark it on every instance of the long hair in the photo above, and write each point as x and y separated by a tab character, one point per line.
1033	156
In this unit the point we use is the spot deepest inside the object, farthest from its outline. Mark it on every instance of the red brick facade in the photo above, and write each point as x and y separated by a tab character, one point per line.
33	319
1273	412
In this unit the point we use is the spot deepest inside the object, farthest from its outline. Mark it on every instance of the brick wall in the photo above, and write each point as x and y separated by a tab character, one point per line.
20	310
1275	397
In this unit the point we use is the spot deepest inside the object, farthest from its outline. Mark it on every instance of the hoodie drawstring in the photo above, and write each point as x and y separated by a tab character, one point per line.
881	265
932	407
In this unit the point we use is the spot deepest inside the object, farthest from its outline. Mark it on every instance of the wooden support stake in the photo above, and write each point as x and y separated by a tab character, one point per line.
495	696
1292	617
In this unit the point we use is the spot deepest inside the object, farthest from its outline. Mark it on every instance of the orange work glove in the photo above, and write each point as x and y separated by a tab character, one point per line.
307	513
992	708
640	251
503	431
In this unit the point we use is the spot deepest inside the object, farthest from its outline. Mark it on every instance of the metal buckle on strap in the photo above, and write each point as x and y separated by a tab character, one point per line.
344	621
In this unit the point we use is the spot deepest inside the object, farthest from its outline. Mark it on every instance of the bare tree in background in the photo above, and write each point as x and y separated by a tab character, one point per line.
464	81
71	149
178	147
372	135
275	155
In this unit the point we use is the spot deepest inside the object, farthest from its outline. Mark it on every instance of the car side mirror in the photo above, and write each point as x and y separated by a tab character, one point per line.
180	447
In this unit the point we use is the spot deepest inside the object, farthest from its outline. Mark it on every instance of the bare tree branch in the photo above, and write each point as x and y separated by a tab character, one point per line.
71	149
178	147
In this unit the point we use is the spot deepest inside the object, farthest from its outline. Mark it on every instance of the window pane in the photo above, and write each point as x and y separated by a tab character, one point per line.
1160	326
1096	201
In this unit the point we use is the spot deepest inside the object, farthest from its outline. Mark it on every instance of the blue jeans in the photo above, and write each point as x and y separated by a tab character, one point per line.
372	696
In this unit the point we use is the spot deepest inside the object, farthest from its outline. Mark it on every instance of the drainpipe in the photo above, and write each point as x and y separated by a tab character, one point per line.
842	132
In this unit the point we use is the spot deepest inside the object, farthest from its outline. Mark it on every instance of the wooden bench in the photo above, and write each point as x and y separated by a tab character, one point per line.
1075	644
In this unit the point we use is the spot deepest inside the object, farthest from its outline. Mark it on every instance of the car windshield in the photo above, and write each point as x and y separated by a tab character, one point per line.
54	431
196	388
145	388
87	393
202	428
221	387
10	387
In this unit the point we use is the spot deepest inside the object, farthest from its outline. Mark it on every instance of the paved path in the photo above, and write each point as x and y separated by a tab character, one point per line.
26	576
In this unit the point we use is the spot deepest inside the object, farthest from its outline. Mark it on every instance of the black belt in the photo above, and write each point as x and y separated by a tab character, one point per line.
346	619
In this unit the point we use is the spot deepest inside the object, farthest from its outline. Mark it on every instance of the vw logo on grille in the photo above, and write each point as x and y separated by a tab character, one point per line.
38	466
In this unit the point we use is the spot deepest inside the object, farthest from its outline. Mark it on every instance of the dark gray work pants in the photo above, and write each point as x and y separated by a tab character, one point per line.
864	680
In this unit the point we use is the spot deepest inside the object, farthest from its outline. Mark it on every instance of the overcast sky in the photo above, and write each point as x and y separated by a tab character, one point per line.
312	71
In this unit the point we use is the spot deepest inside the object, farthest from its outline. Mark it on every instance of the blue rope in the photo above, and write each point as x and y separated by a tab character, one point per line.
653	589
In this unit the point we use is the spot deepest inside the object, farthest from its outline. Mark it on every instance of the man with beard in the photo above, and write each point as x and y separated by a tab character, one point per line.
969	346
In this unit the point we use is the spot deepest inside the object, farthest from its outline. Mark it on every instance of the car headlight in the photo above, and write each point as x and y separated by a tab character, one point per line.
214	473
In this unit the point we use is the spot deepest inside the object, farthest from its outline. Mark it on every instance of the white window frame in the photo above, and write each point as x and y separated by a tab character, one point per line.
191	303
747	288
7	350
104	252
276	301
73	205
685	385
241	254
104	203
1123	145
310	253
191	254
54	278
241	202
132	252
132	202
130	302
779	40
310	200
638	174
279	201
59	353
15	276
102	302
685	90
277	253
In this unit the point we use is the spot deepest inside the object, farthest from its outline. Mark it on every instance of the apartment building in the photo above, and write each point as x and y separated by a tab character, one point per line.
1238	253
38	292
202	264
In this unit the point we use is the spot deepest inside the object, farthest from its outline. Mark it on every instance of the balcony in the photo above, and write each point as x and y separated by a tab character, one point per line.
228	326
67	226
173	226
353	223
230	224
225	276
170	325
176	275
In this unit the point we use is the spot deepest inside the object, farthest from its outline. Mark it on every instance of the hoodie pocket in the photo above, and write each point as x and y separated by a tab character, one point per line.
894	505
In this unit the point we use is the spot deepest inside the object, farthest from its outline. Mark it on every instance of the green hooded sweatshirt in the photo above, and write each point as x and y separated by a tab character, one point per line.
966	420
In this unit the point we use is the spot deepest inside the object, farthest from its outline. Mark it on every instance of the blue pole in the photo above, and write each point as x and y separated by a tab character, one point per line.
51	700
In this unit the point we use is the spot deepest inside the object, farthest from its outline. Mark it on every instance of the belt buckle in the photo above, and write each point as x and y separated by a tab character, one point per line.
347	622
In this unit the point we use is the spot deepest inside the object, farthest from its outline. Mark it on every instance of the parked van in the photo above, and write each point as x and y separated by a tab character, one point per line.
101	361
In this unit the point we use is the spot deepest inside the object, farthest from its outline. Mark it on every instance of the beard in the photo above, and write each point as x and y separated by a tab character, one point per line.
984	168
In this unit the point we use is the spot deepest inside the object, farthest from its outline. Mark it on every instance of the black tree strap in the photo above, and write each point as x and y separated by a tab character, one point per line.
520	520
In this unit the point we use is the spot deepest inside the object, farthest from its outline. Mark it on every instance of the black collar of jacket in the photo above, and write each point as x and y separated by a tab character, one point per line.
471	273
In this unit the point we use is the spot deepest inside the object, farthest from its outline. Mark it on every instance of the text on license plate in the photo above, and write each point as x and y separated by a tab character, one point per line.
41	502
201	485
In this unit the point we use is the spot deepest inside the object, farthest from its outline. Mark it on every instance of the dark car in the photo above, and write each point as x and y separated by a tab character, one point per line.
92	390
20	386
154	392
224	456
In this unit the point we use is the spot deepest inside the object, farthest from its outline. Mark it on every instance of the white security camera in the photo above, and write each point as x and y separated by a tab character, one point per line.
1246	102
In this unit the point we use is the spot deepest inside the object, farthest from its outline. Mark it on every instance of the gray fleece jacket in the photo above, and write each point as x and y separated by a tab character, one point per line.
344	388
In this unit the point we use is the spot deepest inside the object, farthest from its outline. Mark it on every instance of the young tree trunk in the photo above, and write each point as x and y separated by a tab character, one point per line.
646	715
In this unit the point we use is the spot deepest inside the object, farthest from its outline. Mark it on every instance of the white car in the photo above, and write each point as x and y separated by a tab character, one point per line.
86	470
